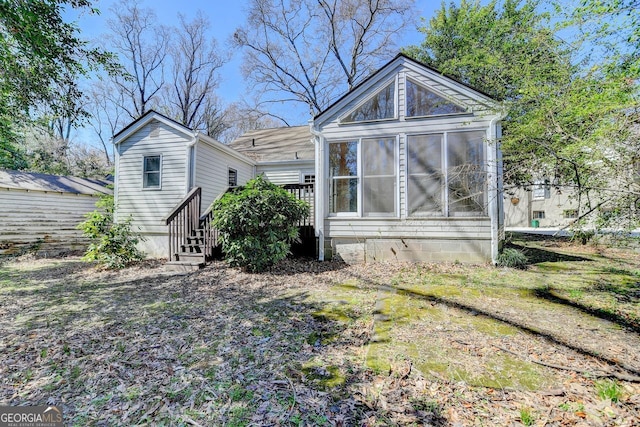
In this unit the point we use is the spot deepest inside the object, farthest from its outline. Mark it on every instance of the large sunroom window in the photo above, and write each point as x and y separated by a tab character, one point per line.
420	102
380	106
343	172
363	172
446	174
379	176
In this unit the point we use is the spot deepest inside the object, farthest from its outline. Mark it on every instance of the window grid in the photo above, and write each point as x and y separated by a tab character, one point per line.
538	215
351	182
151	167
469	173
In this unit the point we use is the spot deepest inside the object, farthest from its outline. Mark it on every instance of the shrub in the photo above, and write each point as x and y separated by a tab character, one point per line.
112	244
257	224
512	258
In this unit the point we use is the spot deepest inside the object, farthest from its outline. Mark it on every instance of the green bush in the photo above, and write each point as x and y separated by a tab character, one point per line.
257	224
512	258
112	244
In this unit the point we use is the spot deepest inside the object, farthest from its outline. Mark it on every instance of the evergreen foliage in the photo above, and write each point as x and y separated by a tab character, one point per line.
571	109
257	224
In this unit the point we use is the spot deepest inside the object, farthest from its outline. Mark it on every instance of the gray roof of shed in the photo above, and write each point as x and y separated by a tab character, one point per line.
276	144
56	183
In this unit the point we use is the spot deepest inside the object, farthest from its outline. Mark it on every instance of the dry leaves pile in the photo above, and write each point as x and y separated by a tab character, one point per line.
224	347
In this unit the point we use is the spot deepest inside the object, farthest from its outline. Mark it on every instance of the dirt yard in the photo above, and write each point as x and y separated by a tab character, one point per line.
313	343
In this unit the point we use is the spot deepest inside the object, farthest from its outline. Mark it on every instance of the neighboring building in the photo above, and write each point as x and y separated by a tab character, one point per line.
541	206
405	167
41	212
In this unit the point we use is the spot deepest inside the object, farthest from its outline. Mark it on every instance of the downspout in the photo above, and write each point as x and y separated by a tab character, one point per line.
191	162
116	176
496	209
319	190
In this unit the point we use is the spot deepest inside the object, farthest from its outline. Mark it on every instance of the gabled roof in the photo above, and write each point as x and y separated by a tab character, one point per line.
19	180
403	57
150	115
276	144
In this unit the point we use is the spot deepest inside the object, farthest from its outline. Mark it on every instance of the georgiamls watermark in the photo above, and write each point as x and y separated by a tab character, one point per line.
30	416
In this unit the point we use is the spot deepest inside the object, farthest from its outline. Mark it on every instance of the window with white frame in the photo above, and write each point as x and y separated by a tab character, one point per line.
151	172
378	176
421	102
343	172
380	106
363	172
446	174
309	179
538	215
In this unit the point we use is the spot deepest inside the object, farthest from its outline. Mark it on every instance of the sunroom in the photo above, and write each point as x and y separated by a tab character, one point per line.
407	168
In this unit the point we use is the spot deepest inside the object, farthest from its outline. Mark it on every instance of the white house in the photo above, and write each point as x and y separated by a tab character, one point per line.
405	166
158	162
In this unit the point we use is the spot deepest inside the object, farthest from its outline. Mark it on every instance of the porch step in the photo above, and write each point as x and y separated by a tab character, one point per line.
190	257
192	249
184	266
197	233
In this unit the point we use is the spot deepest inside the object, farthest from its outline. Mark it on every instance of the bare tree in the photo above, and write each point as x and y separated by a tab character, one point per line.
239	118
196	60
313	50
107	114
142	46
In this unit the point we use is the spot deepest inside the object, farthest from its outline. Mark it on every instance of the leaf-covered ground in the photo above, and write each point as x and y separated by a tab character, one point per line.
313	343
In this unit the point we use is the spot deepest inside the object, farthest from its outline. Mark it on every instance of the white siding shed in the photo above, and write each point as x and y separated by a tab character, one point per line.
41	212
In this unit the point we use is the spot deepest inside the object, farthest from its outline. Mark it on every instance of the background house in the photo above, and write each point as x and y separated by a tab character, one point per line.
283	155
540	206
41	212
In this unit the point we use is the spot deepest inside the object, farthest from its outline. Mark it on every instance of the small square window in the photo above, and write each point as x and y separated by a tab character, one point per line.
538	214
233	178
309	179
541	190
151	172
570	213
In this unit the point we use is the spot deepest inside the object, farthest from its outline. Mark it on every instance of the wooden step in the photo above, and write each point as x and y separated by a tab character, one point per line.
195	240
198	232
184	266
190	257
191	249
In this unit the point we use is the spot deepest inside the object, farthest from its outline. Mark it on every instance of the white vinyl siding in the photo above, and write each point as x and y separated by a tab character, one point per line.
281	173
452	228
149	208
44	220
212	171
